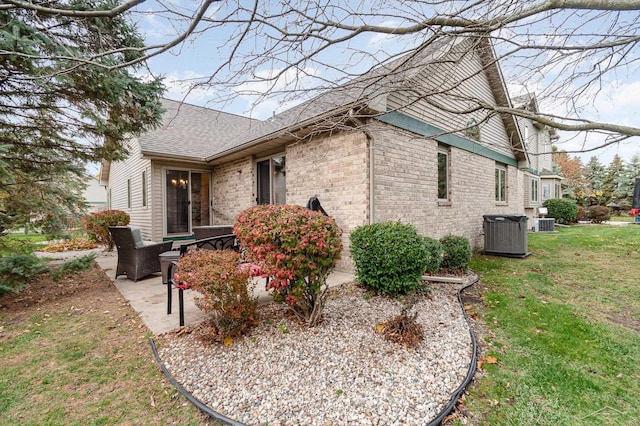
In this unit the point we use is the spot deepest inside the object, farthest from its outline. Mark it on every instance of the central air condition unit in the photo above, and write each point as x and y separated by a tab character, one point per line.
506	235
546	225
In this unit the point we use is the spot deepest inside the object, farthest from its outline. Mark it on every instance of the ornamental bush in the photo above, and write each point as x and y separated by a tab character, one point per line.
598	214
563	210
96	225
456	253
389	257
16	270
434	247
296	248
225	290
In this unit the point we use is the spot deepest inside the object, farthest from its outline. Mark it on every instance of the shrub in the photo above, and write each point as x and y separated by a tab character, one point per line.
97	225
599	214
456	253
582	214
564	211
225	289
296	248
16	270
434	247
73	266
389	257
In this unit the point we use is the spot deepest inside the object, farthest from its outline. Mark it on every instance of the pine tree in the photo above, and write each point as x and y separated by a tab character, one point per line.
58	112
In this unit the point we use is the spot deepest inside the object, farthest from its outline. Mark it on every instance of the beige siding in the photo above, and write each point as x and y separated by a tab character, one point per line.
406	187
131	170
446	83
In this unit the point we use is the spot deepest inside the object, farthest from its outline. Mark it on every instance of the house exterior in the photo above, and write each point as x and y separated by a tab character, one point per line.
95	195
377	149
541	182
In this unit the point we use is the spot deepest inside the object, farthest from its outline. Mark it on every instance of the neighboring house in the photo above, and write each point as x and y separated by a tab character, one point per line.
541	183
95	195
373	150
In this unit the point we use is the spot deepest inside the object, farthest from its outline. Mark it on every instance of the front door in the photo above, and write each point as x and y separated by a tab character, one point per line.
188	201
271	182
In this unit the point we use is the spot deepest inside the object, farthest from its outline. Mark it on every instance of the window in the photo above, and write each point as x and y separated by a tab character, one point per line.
271	180
128	193
443	175
501	183
546	191
144	188
534	190
558	191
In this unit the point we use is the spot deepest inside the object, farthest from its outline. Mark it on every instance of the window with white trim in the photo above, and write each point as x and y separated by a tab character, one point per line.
534	189
271	180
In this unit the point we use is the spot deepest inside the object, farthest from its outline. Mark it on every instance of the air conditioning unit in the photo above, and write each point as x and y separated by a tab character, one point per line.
505	235
546	225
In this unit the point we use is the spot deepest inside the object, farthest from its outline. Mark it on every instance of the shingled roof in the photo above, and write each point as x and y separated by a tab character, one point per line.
203	134
193	132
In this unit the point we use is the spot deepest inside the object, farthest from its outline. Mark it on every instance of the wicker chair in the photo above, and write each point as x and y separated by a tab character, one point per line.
136	260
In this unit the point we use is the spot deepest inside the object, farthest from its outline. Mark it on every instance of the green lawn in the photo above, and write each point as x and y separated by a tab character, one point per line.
564	326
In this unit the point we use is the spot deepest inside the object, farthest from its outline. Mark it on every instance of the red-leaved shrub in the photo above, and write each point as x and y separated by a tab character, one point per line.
296	248
97	225
225	289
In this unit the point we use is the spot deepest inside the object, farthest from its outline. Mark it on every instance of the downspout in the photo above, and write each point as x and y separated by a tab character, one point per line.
370	143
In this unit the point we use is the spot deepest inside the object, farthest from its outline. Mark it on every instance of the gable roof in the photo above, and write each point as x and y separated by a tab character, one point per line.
192	132
196	133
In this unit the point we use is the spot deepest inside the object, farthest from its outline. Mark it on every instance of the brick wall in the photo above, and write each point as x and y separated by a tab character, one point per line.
233	187
406	186
334	168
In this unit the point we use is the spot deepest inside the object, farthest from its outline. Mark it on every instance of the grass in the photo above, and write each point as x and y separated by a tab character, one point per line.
564	327
623	218
85	362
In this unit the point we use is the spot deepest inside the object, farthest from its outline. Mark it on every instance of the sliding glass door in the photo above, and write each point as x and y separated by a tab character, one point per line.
187	201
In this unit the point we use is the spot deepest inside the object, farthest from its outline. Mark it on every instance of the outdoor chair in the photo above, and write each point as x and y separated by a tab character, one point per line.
135	259
220	242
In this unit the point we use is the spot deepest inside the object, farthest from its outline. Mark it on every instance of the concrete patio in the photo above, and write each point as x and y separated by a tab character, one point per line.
148	296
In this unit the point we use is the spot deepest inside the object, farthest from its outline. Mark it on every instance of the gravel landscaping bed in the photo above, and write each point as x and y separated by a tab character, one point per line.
337	373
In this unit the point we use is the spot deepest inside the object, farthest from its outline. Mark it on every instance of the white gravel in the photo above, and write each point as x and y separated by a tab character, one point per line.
340	372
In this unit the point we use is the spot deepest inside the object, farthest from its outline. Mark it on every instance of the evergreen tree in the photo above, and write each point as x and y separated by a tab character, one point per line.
623	194
57	111
611	177
594	177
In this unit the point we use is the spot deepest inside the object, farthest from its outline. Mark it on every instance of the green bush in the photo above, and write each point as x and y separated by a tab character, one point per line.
434	247
456	253
389	257
16	270
563	210
598	214
97	225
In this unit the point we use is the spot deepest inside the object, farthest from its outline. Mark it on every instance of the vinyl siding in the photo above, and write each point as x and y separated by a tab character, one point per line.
131	169
459	73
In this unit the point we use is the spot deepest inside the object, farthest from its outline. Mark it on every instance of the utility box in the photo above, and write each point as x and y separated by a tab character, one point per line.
506	235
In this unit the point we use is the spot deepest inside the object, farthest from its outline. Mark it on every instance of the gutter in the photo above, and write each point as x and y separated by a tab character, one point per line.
371	143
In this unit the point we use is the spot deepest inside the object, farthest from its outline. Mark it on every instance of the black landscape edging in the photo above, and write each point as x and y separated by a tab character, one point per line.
455	396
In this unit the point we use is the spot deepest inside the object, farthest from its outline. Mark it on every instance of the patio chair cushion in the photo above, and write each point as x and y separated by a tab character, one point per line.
137	237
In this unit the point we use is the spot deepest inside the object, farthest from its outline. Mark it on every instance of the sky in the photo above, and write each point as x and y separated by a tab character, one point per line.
618	99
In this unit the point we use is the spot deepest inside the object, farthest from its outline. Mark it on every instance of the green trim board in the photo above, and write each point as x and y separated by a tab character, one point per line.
179	238
414	125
